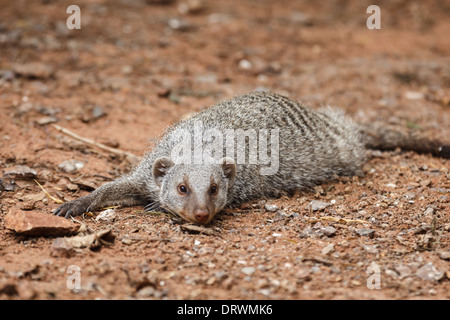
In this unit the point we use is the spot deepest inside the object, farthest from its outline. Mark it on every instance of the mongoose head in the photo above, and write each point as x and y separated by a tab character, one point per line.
192	191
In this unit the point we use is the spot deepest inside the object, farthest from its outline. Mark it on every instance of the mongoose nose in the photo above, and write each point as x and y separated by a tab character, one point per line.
201	215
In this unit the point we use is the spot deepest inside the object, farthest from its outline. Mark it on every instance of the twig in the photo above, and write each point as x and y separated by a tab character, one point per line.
318	260
48	194
347	221
131	157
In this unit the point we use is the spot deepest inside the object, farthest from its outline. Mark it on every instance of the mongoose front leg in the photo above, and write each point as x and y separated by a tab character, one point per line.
124	191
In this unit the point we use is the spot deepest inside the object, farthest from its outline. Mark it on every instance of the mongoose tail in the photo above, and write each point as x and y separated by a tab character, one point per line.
385	137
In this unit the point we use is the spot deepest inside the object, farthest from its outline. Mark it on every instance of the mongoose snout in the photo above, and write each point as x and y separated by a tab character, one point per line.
201	215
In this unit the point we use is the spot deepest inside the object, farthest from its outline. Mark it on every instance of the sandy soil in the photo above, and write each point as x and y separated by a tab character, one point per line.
137	66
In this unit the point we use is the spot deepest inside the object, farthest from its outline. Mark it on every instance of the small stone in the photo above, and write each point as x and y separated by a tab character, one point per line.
6	75
429	273
61	248
245	64
98	112
163	92
365	232
391	185
69	166
276	235
429	211
303	273
329	231
179	24
20	172
72	187
370	248
271	207
444	255
316	231
33	70
39	224
248	270
108	215
403	271
28	205
127	240
317	205
281	215
414	95
328	249
191	6
220	275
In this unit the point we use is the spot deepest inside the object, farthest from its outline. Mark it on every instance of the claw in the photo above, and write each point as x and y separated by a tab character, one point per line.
68	214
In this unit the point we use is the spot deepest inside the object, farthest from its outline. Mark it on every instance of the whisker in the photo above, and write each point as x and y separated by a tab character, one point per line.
152	207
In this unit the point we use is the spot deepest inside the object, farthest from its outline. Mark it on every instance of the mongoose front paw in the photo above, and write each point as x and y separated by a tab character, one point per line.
74	208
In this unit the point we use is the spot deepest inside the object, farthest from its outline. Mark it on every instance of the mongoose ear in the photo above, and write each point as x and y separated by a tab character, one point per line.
160	168
229	169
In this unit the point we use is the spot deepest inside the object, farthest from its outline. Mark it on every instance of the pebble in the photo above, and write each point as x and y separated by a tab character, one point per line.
61	248
429	211
317	205
108	215
403	271
179	24
414	95
328	231
33	70
429	273
69	166
281	215
6	75
444	255
245	64
127	240
20	172
391	185
328	249
191	6
277	235
271	207
370	248
98	112
248	270
365	232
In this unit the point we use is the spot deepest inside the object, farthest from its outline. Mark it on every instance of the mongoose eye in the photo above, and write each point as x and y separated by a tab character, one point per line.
182	189
213	190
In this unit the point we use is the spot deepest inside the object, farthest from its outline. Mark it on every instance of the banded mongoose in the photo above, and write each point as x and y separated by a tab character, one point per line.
257	145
